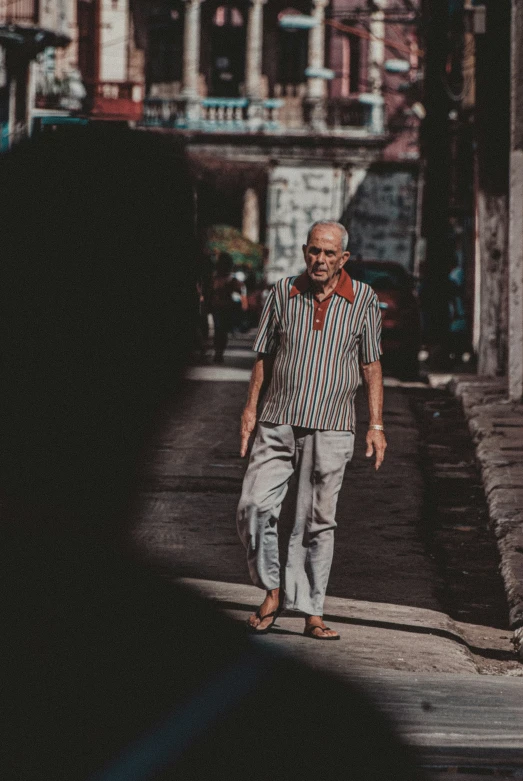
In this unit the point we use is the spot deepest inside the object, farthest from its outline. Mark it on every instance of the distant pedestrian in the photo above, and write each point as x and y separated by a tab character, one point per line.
457	336
204	288
226	303
242	305
314	331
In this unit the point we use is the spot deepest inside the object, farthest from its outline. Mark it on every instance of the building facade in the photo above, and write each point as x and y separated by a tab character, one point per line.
100	75
27	30
290	110
292	113
472	220
111	59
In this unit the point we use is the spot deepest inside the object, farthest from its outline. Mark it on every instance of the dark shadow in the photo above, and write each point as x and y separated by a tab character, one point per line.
109	671
282	632
455	525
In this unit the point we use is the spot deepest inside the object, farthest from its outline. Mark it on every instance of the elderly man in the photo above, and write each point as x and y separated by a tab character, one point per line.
315	331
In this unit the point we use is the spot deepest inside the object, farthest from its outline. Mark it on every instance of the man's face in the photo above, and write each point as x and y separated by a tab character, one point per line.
323	254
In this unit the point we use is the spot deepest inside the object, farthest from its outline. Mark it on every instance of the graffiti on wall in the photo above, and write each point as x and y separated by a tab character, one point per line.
381	216
377	205
298	196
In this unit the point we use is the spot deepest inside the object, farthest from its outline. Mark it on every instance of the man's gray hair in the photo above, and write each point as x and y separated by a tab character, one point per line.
343	230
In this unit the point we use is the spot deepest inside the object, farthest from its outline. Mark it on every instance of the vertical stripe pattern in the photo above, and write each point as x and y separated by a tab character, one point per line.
316	372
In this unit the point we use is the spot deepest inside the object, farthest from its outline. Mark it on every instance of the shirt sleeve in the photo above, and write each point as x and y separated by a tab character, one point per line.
267	338
371	333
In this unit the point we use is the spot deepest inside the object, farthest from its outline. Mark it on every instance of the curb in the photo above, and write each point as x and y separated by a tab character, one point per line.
417	639
496	426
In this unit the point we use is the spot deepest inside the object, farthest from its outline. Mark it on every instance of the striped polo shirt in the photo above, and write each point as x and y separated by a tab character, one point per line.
317	348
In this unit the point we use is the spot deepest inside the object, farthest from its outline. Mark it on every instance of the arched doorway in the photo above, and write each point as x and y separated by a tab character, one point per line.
227	51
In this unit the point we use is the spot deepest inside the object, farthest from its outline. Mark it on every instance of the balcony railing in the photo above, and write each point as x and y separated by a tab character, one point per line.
120	90
23	12
213	114
343	113
224	114
48	100
21	26
116	100
230	115
164	112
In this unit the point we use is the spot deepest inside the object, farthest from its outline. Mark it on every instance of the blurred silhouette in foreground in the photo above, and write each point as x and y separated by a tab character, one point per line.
108	670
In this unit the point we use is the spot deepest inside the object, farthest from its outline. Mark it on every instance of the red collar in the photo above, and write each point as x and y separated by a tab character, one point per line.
343	288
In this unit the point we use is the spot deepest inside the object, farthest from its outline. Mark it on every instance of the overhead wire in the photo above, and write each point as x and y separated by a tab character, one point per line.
370	36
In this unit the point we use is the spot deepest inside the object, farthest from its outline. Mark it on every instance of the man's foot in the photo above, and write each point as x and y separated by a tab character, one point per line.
316	629
267	613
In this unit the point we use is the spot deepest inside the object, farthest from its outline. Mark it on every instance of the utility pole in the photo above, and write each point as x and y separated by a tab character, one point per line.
435	149
492	121
515	372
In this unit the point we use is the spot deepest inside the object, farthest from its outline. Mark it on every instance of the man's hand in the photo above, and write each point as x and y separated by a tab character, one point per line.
261	374
377	443
248	422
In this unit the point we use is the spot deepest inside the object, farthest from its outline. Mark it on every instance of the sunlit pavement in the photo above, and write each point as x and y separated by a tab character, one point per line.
414	664
411	657
238	362
213	373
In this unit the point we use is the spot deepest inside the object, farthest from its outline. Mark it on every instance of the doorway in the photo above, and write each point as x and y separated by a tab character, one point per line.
228	52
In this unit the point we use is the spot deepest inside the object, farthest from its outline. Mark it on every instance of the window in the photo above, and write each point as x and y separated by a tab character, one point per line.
165	43
227	52
354	62
292	52
227	16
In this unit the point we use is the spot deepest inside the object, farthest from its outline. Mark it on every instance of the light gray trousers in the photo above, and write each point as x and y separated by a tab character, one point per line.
319	459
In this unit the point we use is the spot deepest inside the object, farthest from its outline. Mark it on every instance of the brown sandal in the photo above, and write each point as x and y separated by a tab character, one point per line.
309	632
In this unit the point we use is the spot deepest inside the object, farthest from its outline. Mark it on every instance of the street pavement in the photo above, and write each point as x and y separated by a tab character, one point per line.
416	662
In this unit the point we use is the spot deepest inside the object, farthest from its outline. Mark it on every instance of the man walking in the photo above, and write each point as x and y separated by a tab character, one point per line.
315	331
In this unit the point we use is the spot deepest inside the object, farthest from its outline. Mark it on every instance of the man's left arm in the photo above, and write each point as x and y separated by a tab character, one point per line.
373	380
376	442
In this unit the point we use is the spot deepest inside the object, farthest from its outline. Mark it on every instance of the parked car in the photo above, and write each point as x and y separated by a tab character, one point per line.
401	332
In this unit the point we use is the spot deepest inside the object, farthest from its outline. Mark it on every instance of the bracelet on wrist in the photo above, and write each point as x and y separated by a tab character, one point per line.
376	427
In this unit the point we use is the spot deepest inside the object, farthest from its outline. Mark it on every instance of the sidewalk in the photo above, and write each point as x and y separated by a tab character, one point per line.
416	665
496	425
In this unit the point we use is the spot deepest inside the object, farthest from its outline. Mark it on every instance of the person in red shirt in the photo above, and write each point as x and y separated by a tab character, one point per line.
316	331
226	303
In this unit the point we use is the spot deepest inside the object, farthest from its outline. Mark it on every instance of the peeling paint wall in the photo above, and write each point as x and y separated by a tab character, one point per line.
377	205
298	196
381	214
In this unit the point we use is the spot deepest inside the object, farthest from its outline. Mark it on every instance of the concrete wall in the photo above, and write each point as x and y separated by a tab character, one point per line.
376	203
114	32
297	197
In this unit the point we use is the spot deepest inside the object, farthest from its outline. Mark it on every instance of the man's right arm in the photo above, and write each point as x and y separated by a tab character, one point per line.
260	378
